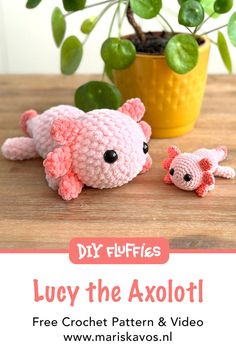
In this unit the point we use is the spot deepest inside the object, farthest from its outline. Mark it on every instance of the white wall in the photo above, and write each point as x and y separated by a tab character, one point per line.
26	44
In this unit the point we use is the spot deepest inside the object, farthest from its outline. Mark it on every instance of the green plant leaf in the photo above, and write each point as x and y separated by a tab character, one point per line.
109	72
118	53
232	29
97	95
146	8
58	26
224	51
181	2
223	6
74	5
31	4
182	53
88	25
71	55
191	13
208	6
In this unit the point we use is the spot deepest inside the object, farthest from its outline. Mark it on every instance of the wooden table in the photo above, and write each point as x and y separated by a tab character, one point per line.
33	216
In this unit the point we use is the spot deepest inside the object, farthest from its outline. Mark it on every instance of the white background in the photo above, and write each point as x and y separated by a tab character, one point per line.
17	306
26	44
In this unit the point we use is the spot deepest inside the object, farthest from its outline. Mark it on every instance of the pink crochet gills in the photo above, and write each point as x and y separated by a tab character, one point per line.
196	171
133	108
101	149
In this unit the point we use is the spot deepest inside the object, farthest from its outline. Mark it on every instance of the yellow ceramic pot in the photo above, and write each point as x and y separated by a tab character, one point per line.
172	101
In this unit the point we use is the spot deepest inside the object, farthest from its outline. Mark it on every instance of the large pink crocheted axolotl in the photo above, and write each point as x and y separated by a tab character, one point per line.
101	149
195	171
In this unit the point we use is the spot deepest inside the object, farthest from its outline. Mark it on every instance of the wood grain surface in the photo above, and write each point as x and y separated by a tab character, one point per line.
33	216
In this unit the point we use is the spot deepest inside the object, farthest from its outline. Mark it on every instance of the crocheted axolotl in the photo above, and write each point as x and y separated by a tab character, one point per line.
101	149
195	171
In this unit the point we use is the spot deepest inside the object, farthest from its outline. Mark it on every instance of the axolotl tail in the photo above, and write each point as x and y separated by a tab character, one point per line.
219	154
21	148
25	117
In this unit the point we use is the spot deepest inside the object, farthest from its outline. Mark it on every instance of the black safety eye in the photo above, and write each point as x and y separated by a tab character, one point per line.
172	171
110	156
145	148
187	177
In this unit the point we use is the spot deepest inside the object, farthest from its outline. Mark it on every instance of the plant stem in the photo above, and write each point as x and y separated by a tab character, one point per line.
213	42
89	6
109	35
164	19
213	13
135	25
112	22
189	30
99	3
213	30
124	14
85	40
103	73
196	29
99	17
119	19
200	26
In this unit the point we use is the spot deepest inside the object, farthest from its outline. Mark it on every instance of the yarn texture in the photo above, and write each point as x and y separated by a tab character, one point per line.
196	171
101	149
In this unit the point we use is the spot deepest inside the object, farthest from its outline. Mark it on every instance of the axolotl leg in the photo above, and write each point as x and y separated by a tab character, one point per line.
53	182
70	186
225	172
208	180
59	174
21	148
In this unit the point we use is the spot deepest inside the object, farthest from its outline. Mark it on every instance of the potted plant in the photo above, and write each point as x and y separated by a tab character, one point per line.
167	70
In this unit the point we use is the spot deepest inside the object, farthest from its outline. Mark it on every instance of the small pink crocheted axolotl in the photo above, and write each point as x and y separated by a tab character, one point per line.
195	171
101	149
